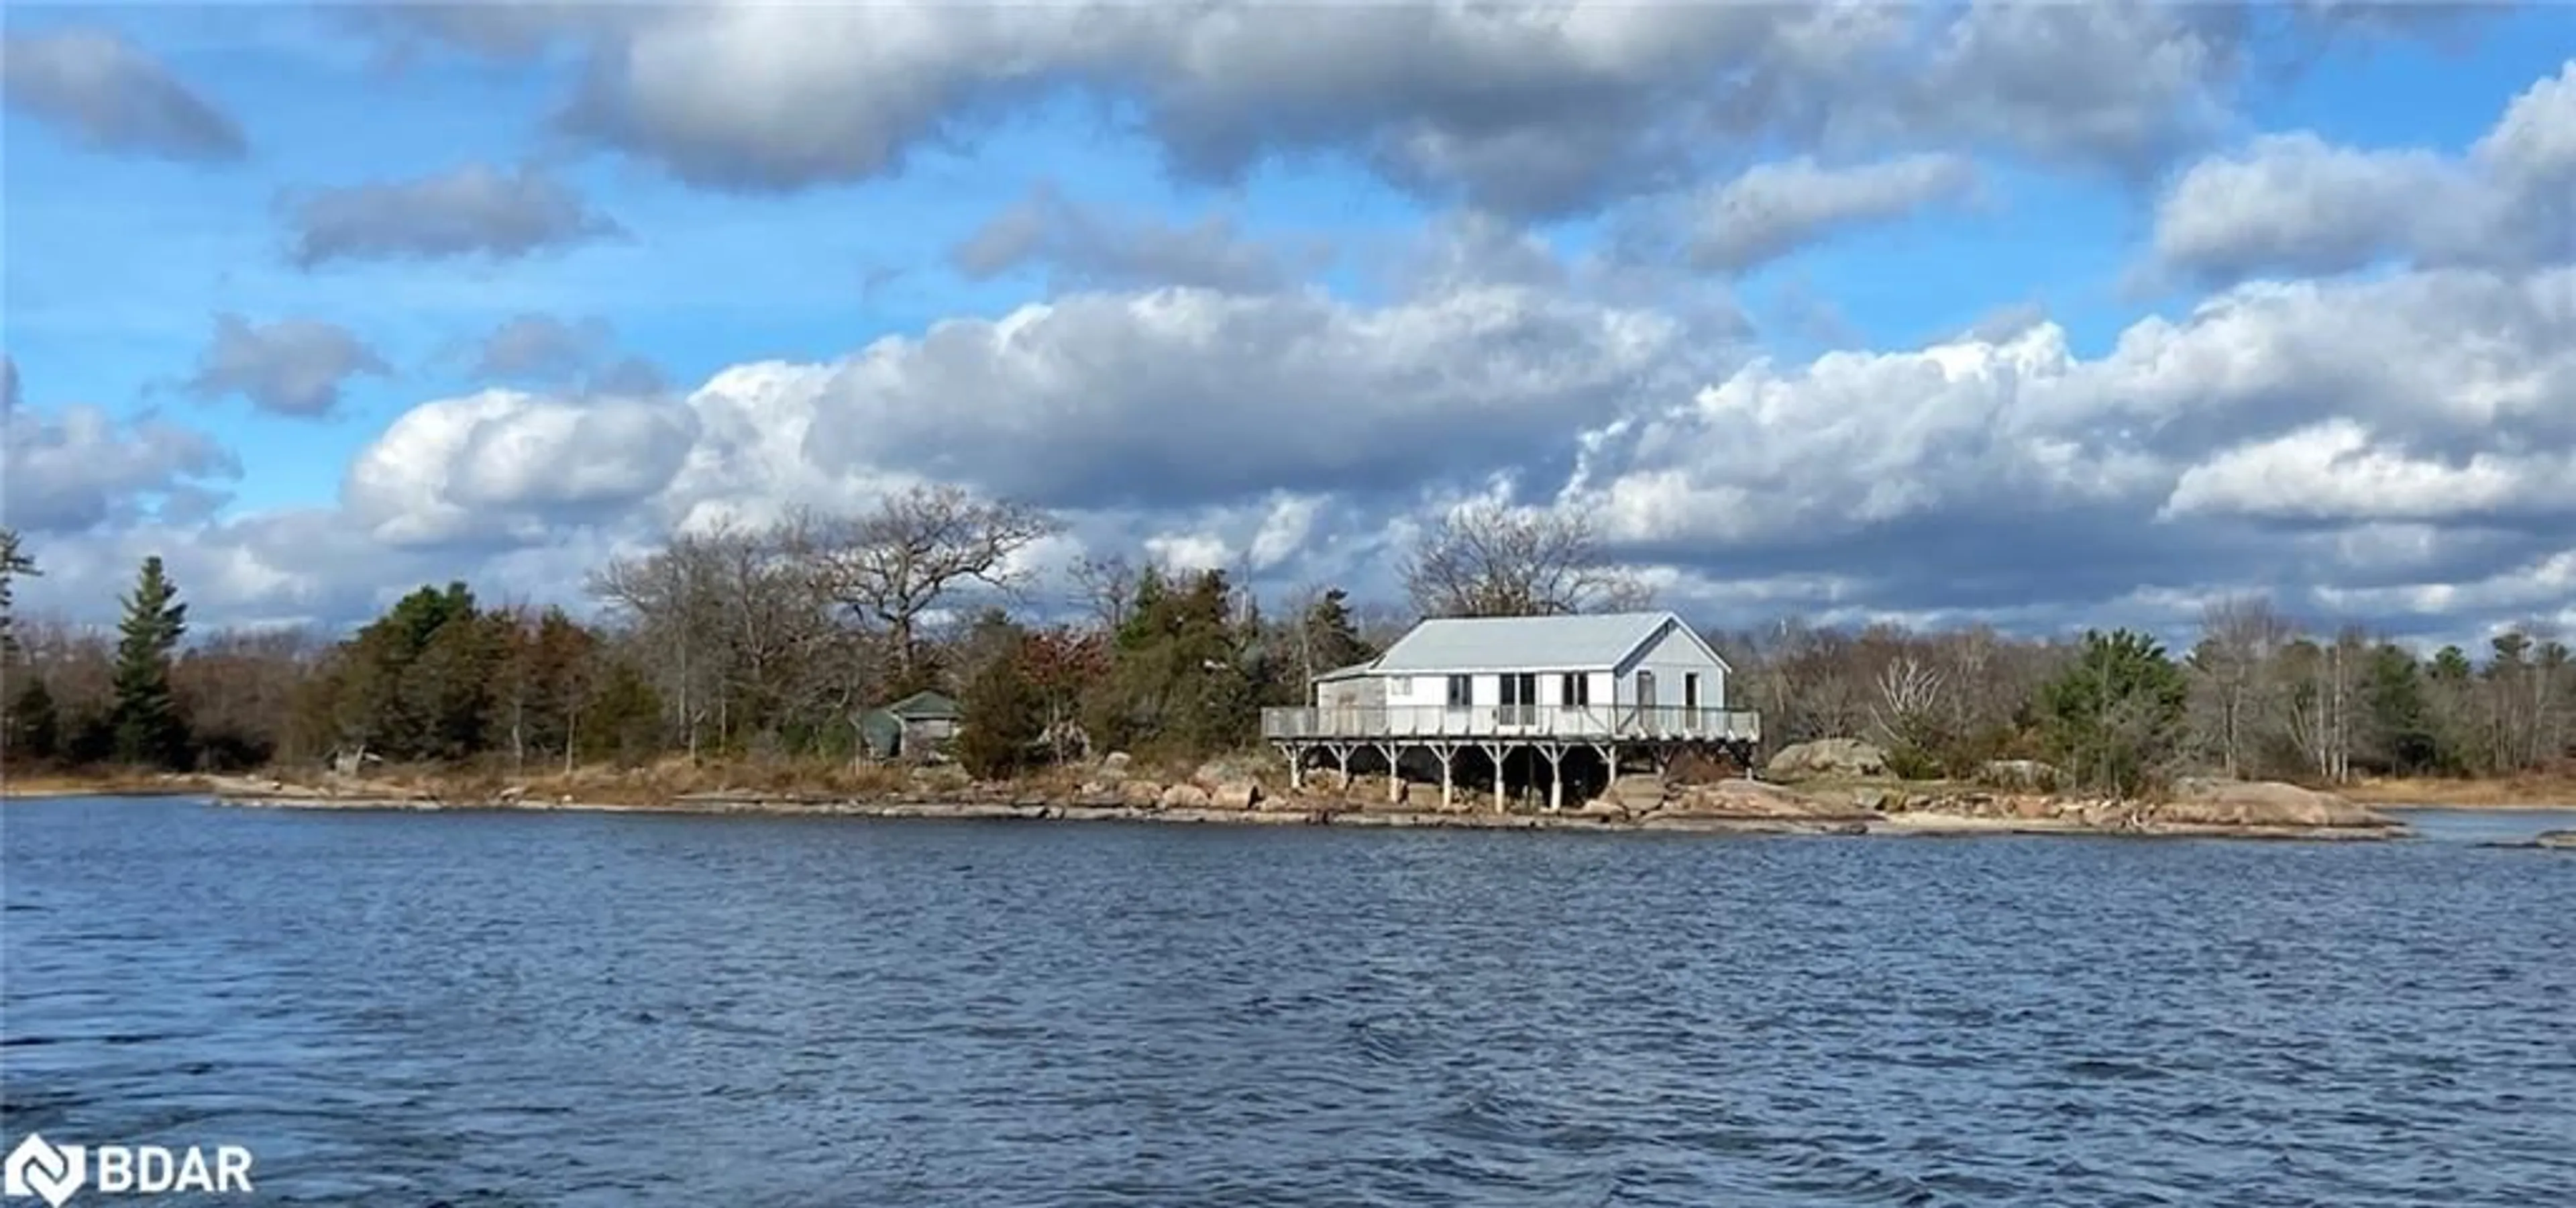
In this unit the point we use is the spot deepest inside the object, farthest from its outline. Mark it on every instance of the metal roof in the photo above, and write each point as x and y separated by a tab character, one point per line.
1455	645
929	704
1354	671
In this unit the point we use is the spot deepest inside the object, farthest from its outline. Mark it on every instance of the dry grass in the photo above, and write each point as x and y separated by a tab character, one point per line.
105	783
2494	793
661	782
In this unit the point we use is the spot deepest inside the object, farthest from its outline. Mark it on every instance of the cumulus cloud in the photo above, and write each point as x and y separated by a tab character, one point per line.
507	466
471	210
2231	446
1088	249
1530	110
292	367
2296	203
1180	396
2385	443
2276	435
83	468
108	95
2338	470
2395	446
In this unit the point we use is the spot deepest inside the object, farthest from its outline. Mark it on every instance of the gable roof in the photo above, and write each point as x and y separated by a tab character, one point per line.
1597	641
925	704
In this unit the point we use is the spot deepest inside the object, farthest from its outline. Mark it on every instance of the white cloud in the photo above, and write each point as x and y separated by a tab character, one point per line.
1182	396
2336	471
1544	108
2013	469
2367	438
81	468
2398	443
2295	203
506	464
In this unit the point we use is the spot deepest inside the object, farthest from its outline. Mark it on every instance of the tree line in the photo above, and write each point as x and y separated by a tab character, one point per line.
771	642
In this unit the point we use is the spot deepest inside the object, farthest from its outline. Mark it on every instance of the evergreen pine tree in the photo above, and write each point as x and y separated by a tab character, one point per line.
35	726
13	563
2115	715
146	712
1334	635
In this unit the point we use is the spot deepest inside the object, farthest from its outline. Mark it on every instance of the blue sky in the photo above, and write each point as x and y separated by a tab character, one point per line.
757	226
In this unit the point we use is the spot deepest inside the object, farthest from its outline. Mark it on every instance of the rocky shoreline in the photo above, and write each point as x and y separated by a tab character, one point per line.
1225	795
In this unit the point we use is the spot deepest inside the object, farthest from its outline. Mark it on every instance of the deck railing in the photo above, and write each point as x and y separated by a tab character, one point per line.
1577	722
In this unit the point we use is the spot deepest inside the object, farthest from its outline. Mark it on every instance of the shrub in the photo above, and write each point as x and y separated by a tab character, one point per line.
1003	722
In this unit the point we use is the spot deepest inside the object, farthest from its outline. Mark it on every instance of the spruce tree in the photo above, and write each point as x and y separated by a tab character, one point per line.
34	730
13	563
1333	635
146	713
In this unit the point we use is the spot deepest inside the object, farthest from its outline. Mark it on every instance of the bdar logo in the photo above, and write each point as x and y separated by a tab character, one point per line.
52	1173
41	1168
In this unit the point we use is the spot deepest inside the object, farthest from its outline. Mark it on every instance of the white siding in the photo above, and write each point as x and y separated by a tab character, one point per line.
1356	693
1486	690
1416	690
1671	658
1551	687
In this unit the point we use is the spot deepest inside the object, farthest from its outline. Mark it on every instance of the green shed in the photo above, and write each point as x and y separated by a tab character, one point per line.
912	728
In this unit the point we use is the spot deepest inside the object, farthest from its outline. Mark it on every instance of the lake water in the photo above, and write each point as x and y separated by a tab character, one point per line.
496	1008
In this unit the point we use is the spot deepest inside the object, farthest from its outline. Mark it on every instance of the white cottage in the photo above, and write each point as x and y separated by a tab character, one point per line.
1582	671
1545	684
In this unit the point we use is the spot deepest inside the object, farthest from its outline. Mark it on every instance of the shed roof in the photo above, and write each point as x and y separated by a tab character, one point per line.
1464	644
930	703
1354	671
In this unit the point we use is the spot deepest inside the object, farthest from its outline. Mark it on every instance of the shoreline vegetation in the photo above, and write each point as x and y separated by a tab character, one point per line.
805	664
1241	791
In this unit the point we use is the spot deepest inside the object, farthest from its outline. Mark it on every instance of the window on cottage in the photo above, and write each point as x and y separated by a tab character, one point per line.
1690	690
1577	690
1461	691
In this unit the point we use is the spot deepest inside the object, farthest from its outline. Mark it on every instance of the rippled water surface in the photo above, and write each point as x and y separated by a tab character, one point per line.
611	1010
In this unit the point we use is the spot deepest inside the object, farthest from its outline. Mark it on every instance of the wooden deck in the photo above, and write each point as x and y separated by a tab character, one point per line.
1510	723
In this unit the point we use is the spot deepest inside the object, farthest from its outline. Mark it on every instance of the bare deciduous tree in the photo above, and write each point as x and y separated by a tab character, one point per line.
1105	588
670	599
1909	709
2240	637
1488	560
893	564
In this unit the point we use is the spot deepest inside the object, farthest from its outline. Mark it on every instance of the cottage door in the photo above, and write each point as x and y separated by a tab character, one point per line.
1645	700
